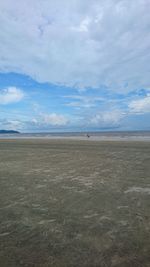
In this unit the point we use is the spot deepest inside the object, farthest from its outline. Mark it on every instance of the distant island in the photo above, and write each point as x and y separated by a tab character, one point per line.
9	132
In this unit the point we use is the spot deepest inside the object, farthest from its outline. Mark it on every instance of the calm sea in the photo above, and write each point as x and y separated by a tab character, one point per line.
117	135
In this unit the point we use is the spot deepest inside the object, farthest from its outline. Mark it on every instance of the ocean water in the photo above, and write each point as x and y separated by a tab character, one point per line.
115	135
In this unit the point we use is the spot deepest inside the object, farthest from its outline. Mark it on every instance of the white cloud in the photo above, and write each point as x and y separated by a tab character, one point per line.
10	95
82	101
84	25
106	119
54	119
140	105
77	43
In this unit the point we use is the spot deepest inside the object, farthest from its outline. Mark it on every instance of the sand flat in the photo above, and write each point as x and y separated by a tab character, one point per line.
74	203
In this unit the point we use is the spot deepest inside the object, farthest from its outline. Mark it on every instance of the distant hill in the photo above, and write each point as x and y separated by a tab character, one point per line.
8	132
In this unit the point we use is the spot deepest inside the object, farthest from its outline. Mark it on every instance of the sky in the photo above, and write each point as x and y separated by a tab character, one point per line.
74	65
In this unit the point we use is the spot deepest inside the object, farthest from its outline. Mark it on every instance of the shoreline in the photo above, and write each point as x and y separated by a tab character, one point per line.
81	138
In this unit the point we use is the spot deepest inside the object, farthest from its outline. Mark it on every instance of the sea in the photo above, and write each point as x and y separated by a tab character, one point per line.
95	136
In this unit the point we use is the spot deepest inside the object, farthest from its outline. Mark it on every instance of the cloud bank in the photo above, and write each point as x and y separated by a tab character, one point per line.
77	43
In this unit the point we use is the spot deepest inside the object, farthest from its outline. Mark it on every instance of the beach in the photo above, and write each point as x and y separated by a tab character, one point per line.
83	136
68	202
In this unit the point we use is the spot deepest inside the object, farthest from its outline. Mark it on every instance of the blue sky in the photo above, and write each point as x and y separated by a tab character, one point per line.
70	65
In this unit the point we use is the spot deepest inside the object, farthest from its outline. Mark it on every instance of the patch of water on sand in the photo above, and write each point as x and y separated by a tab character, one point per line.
29	172
42	222
135	189
35	205
123	223
68	187
4	234
88	216
105	218
12	204
122	207
40	210
84	181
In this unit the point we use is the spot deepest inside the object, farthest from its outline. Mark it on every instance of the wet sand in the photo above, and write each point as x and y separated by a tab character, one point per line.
69	203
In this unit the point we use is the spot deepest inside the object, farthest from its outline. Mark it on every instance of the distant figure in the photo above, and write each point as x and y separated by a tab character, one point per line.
88	136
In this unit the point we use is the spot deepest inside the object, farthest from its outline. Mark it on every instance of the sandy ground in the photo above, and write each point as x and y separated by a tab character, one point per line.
68	203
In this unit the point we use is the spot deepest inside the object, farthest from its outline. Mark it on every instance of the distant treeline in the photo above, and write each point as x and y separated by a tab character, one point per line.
8	132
